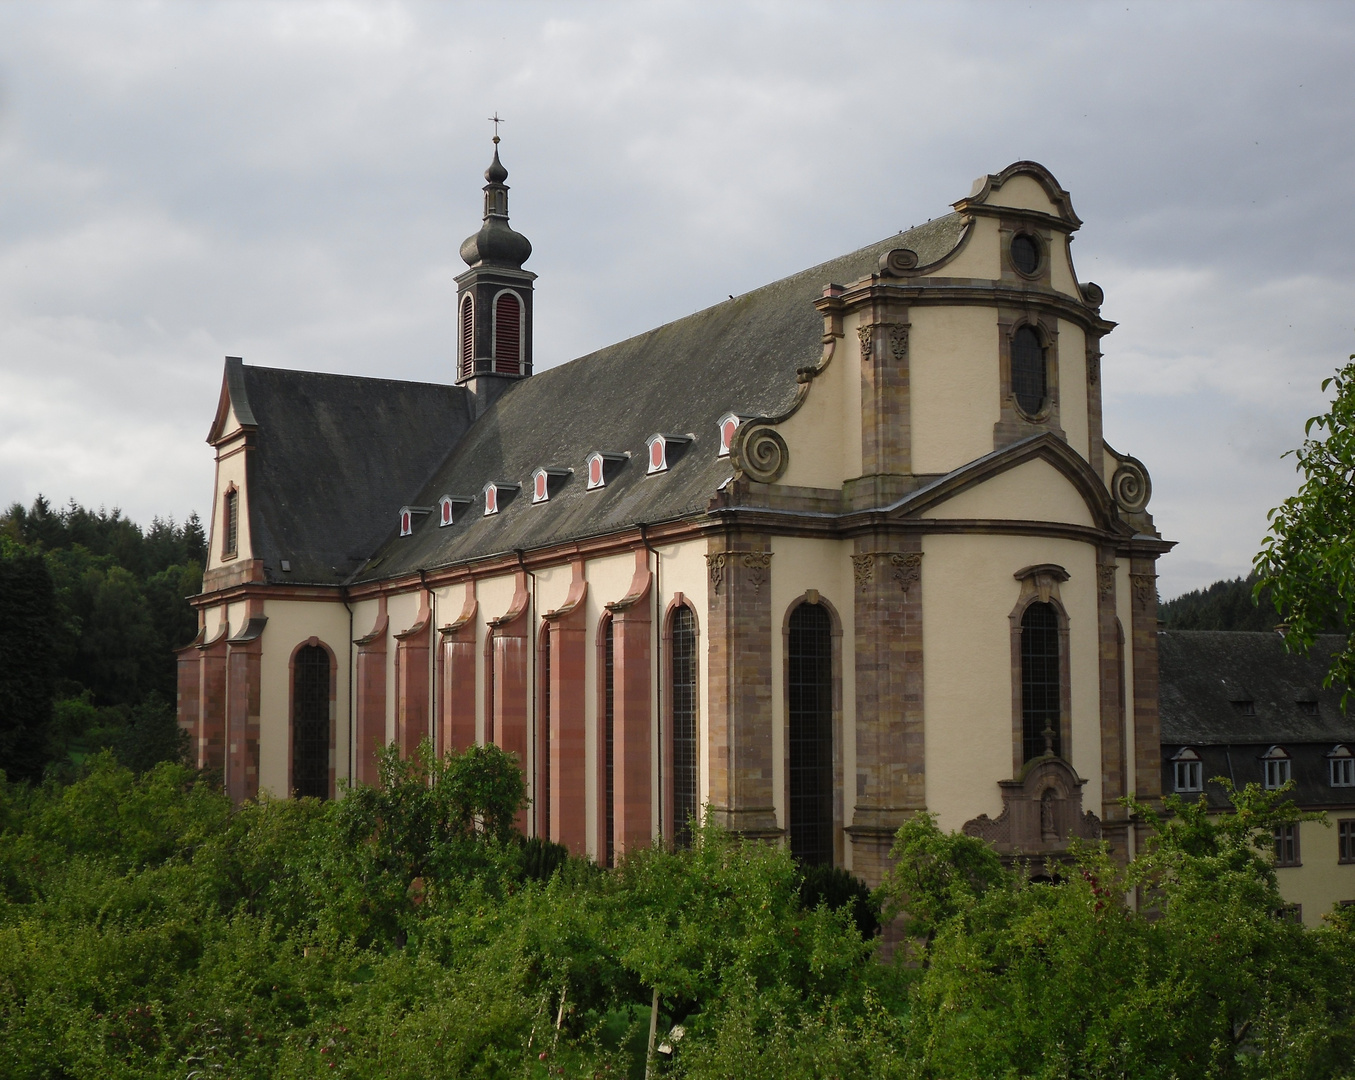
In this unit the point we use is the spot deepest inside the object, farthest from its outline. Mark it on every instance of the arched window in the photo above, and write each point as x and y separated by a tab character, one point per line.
543	739
1040	681
809	714
608	744
1030	380
310	722
467	338
508	334
230	524
683	697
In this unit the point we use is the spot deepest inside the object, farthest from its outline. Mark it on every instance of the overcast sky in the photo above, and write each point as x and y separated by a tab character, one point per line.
290	183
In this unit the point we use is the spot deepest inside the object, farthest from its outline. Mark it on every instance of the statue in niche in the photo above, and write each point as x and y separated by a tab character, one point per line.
1048	830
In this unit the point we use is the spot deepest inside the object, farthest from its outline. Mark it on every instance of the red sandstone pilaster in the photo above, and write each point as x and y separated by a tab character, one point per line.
508	637
568	775
371	698
412	680
244	662
211	745
457	661
632	624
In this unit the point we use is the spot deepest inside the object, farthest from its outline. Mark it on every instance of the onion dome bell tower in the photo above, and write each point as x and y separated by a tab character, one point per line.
494	299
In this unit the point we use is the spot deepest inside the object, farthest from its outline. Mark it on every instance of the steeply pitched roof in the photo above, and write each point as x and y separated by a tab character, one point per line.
336	455
1203	672
738	356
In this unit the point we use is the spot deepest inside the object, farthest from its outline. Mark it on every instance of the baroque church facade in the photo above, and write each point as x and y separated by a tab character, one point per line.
845	548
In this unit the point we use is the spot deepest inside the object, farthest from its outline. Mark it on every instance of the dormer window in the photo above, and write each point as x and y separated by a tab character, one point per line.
664	450
497	495
729	424
1189	770
1275	767
1308	706
601	467
449	507
1245	707
547	481
1342	765
407	515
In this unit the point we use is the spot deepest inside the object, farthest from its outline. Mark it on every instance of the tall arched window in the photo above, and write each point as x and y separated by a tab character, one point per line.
543	739
809	714
230	524
467	338
310	722
1030	380
1041	711
508	334
683	697
608	743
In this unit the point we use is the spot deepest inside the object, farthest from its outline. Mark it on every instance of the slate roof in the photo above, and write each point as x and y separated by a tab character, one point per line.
739	356
1204	672
335	456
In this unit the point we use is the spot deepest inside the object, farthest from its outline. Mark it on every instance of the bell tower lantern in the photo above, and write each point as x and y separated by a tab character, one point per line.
494	299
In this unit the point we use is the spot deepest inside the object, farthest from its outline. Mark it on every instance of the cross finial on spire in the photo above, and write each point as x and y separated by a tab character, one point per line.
495	119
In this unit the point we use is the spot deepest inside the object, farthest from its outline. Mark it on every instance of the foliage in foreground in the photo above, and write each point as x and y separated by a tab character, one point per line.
147	928
1307	561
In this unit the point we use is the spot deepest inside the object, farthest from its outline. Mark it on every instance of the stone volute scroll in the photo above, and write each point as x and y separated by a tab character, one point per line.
1130	486
759	453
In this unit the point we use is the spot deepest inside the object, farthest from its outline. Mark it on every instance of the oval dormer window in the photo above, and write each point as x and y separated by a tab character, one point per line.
1025	253
657	462
491	499
508	334
1030	381
729	424
595	477
406	523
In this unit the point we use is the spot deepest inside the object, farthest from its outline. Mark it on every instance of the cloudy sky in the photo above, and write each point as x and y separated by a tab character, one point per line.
290	182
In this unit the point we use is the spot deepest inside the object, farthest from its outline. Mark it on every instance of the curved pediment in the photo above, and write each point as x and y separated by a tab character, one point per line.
1039	478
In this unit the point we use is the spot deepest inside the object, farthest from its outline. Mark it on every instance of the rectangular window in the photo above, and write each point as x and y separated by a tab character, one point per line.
1287	845
230	525
1292	913
1276	772
1343	772
1345	840
1188	776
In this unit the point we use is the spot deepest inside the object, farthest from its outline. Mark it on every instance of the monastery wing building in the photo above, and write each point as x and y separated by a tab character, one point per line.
844	548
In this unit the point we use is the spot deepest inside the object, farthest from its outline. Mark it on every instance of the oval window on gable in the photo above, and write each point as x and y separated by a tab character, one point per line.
1030	381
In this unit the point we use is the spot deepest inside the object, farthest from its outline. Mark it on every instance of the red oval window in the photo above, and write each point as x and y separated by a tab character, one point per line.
404	524
656	454
446	513
491	500
540	485
727	432
595	471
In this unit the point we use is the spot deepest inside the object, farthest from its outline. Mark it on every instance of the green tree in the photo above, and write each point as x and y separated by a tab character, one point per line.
27	660
1307	560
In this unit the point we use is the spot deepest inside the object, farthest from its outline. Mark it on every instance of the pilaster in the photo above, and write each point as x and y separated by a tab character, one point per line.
412	654
567	627
508	659
371	698
456	660
632	755
244	661
739	614
1114	768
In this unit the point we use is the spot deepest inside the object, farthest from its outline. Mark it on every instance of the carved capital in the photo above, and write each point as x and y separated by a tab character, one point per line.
863	570
907	569
757	563
866	335
1145	588
898	340
715	564
1105	581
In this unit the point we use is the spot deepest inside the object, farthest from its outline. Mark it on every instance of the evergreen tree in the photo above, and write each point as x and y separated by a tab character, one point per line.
27	660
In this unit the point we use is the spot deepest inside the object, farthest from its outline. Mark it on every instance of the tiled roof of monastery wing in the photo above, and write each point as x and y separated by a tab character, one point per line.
1204	672
333	452
738	356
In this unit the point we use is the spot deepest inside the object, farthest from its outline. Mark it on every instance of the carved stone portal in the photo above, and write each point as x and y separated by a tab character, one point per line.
1041	812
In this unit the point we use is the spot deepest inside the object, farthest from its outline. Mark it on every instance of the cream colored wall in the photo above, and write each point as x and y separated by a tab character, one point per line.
1073	387
968	594
981	256
1062	275
953	372
1033	489
682	569
230	468
1023	193
824	437
290	624
1321	881
798	565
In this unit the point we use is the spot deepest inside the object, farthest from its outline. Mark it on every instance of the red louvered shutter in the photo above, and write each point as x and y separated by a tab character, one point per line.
508	335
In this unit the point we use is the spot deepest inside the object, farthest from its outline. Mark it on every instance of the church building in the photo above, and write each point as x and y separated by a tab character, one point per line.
844	548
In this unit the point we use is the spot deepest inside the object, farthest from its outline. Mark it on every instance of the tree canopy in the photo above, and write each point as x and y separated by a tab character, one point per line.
1307	560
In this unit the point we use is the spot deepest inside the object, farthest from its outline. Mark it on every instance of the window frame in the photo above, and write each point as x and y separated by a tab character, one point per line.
836	793
1345	841
1340	761
673	828
466	330
293	705
1285	840
1276	768
520	362
230	522
1186	762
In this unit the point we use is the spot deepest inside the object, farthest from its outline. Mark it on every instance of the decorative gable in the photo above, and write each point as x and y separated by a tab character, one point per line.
498	494
664	451
602	467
